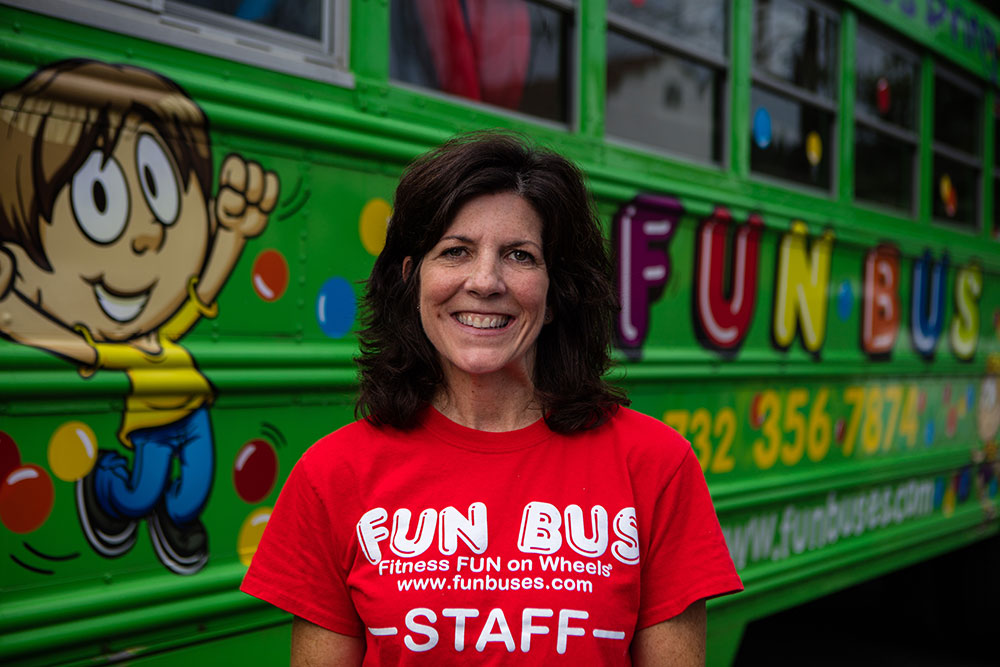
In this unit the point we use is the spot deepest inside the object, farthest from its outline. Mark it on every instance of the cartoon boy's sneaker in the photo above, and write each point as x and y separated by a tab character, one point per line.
109	536
183	549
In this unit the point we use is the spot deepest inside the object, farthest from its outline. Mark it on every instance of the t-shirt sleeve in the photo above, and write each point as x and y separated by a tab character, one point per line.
298	565
687	559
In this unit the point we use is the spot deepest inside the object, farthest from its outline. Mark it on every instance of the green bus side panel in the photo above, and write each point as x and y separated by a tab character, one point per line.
836	378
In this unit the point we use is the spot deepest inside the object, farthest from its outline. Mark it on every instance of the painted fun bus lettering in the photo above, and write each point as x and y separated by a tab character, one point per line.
724	310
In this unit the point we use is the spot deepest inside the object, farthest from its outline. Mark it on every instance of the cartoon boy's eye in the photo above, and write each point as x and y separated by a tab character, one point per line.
159	182
100	198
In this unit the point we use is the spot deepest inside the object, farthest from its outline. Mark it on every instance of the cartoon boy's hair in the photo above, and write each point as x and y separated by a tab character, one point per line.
54	119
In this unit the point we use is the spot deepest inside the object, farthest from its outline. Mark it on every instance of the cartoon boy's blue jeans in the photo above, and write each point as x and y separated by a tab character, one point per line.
134	493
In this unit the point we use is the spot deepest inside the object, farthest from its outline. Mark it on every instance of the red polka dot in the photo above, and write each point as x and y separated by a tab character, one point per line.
26	498
255	470
883	97
10	457
270	275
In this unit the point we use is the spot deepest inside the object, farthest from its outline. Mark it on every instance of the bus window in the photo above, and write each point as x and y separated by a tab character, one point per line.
793	97
957	152
301	17
512	54
886	136
307	38
665	71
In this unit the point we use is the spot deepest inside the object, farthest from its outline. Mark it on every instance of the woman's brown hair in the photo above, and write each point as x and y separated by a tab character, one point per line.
398	366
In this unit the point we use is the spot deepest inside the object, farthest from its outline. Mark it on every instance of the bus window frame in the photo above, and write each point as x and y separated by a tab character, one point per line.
572	73
721	64
831	105
211	33
957	155
892	130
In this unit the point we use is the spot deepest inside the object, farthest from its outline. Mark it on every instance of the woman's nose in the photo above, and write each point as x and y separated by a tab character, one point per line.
150	238
485	279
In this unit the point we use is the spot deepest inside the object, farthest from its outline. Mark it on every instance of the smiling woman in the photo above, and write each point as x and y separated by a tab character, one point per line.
483	180
487	331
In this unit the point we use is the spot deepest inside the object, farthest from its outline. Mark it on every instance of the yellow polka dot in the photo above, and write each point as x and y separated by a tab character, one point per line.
373	223
250	534
72	451
948	505
946	187
814	148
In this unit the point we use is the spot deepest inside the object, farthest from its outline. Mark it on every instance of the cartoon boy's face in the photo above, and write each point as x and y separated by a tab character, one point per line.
124	240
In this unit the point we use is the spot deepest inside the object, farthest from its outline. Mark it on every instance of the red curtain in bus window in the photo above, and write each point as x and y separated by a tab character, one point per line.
480	48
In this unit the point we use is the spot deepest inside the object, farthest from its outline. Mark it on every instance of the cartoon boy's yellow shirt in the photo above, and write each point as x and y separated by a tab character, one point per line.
166	386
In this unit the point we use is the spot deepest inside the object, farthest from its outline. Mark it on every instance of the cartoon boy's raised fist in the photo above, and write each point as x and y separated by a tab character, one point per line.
247	194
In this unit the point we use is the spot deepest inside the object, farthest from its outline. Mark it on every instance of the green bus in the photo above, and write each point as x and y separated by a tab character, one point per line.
801	195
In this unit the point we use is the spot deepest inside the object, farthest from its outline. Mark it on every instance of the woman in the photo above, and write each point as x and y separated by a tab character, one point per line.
497	503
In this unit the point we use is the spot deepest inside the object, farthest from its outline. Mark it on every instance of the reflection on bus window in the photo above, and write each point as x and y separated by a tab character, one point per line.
790	139
301	17
793	103
508	53
666	69
885	132
698	23
883	169
886	80
956	116
957	150
797	43
661	100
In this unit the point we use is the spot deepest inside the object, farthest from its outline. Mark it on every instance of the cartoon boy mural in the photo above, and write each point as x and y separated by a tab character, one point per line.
111	250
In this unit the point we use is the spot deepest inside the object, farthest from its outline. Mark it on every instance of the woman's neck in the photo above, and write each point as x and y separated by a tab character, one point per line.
491	402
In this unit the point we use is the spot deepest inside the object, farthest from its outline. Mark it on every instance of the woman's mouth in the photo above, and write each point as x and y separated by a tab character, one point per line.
477	321
118	306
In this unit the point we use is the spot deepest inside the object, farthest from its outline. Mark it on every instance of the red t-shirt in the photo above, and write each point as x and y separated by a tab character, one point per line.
443	544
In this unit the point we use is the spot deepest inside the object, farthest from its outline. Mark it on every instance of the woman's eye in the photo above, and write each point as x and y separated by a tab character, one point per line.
522	256
99	197
454	252
158	179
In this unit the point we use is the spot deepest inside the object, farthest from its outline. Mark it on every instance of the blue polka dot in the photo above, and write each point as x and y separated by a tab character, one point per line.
938	492
845	300
964	484
762	128
929	432
335	307
970	396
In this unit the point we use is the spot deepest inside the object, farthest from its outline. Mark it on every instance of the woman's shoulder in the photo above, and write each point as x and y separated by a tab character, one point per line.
351	443
647	440
644	426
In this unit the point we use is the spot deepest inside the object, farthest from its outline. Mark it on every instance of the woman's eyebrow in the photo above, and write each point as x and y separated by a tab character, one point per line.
510	244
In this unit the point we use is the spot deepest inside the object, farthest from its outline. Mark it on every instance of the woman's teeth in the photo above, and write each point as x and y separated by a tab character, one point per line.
483	321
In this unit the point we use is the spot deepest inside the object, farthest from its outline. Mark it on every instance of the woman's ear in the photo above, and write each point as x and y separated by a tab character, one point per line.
407	268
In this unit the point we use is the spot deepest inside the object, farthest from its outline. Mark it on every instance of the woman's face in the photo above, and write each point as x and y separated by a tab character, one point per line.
483	288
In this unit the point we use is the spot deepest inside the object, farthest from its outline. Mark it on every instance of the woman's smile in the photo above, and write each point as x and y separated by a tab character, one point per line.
477	321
